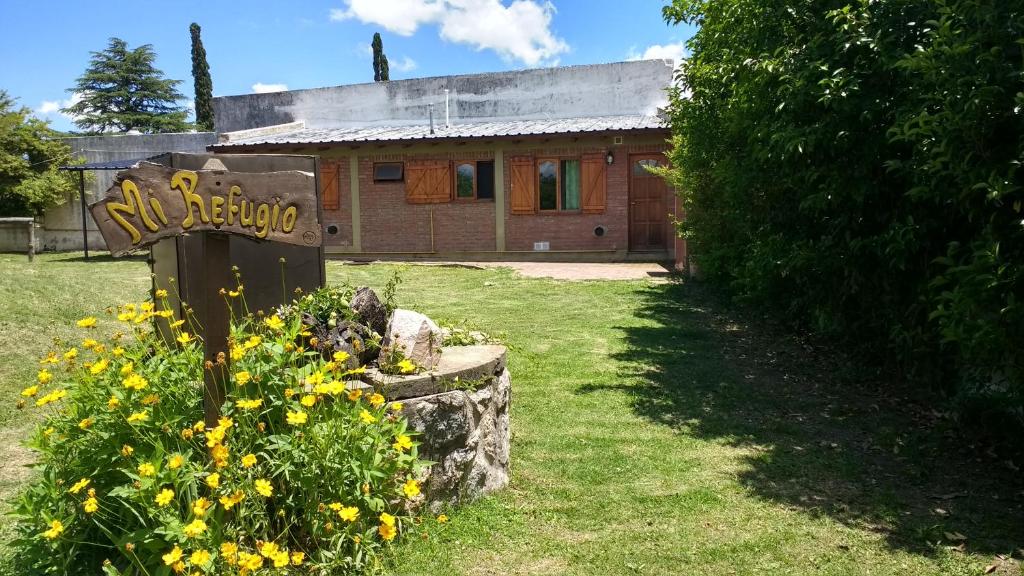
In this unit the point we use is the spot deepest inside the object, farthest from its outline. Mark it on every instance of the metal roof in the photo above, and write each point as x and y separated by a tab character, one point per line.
109	164
492	129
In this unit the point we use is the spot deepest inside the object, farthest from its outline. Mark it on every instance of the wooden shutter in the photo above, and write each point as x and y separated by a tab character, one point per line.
428	182
329	183
524	195
593	185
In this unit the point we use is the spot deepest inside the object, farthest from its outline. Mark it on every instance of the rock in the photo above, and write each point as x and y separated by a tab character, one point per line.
462	367
416	336
369	310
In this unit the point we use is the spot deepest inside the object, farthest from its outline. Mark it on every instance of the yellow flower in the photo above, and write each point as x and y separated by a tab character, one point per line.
150	400
280	559
127	450
387	519
249	460
51	397
146	469
99	348
177	323
296	418
268	549
288	392
125	316
340	356
220	453
127	368
250	404
90	505
161	293
230	501
406	366
89	343
135	382
308	400
315	378
194	528
187	433
77	486
50	358
49	431
56	529
215	436
147	306
200	506
402	443
44	376
376	400
84	423
117	352
297	558
87	322
442	518
411	488
71	354
349	513
354	395
184	338
164	497
99	366
229	551
225	422
366	417
253	342
173	556
264	488
237	353
248	561
213	480
233	293
199	557
175	461
138	417
274	322
242	377
199	426
30	391
396	406
387	532
113	402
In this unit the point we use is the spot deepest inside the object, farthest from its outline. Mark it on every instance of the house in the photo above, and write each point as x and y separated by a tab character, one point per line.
534	164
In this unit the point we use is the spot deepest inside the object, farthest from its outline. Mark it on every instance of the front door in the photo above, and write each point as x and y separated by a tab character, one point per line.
648	216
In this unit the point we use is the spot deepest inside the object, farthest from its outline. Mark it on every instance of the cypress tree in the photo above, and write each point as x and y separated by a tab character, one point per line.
380	61
202	81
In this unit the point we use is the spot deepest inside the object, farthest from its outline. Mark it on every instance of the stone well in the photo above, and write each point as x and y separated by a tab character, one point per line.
461	411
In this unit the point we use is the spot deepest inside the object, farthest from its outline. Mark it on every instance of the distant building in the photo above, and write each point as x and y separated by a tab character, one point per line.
547	163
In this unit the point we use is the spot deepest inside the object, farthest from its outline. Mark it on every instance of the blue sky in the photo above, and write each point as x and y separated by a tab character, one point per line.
260	45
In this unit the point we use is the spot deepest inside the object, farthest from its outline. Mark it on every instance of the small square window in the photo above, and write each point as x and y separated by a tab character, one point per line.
388	172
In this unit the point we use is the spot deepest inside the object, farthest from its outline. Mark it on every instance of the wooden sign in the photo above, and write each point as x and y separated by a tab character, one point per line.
150	202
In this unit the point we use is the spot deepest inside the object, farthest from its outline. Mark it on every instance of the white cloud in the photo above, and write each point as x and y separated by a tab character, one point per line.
406	64
673	51
261	88
49	108
519	31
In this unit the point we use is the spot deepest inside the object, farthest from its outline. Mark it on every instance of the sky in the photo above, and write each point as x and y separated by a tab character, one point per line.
262	45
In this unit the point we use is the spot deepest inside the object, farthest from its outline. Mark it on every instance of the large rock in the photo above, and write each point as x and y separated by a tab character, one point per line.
466	434
369	309
416	336
462	367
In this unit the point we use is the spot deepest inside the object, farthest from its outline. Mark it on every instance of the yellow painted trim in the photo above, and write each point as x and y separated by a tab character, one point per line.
353	181
499	200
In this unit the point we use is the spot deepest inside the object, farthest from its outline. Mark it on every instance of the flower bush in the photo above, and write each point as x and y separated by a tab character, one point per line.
303	472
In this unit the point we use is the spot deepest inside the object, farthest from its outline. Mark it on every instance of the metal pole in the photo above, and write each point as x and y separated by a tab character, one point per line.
85	210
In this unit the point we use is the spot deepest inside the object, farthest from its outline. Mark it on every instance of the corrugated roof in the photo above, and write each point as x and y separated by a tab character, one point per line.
493	129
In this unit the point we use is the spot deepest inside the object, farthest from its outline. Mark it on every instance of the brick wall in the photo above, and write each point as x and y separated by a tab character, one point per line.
390	224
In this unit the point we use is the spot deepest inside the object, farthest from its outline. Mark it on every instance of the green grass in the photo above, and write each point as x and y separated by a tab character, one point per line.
652	434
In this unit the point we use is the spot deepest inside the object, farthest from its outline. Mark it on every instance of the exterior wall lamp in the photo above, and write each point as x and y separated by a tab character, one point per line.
609	158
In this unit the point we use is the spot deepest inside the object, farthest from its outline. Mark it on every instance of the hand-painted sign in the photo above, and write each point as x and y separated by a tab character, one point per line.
150	202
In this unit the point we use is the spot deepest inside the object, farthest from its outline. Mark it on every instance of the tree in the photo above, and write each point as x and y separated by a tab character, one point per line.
121	90
380	61
201	80
30	153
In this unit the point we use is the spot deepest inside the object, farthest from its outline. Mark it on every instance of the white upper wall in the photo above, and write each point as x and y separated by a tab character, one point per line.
622	88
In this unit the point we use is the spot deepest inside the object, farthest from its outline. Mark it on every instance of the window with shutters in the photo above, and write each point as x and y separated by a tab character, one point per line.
559	184
387	171
428	182
330	193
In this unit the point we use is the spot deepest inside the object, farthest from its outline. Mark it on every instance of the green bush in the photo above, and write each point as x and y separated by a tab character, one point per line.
855	167
301	474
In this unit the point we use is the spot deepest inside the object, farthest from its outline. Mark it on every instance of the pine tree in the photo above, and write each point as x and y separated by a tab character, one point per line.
121	90
380	61
201	80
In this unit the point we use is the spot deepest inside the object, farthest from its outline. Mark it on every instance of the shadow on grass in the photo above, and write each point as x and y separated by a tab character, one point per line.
827	442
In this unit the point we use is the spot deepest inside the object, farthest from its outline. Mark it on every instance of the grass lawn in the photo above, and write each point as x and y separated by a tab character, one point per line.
653	433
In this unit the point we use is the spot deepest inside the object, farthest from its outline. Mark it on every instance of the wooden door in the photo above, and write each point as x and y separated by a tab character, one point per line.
648	213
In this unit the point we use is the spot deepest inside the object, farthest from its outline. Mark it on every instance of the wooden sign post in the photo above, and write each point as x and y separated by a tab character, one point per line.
215	218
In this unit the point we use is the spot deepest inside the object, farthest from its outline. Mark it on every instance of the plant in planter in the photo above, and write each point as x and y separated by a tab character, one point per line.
301	474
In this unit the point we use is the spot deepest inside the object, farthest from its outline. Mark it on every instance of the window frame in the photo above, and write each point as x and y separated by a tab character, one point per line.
400	179
557	160
455	180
